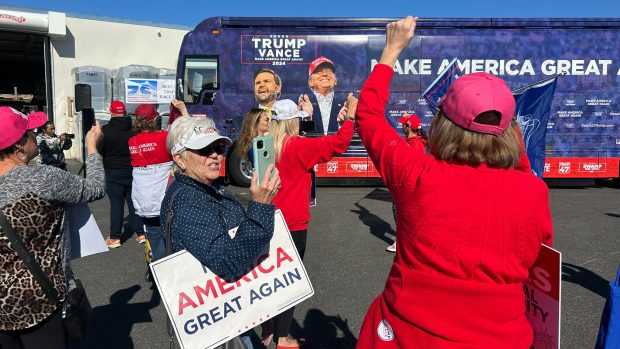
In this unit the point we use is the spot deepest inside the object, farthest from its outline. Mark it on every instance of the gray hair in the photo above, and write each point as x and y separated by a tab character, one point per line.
182	127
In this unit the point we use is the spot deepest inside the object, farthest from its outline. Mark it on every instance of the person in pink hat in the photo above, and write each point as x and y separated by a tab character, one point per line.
416	138
470	222
33	201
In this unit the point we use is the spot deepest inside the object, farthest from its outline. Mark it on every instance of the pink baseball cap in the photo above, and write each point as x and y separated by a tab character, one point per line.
146	111
321	61
117	107
15	124
411	120
474	94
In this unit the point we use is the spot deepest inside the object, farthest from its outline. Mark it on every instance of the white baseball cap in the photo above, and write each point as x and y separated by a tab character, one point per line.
198	138
286	109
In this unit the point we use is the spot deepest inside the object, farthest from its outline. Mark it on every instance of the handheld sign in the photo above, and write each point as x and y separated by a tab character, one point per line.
207	311
85	235
542	298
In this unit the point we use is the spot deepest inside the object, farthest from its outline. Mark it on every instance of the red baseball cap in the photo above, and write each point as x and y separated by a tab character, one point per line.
411	120
117	107
474	94
146	111
15	124
321	61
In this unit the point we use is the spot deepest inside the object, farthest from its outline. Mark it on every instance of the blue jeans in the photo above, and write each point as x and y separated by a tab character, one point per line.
118	188
152	228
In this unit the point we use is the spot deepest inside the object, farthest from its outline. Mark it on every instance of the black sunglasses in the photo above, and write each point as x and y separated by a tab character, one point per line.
218	148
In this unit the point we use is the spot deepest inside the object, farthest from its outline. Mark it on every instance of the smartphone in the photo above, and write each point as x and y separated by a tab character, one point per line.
88	120
264	155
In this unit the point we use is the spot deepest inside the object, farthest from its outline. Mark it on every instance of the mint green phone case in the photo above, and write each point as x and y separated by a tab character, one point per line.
264	154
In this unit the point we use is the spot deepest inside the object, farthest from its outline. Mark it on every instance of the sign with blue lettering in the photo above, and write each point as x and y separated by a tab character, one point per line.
149	91
207	311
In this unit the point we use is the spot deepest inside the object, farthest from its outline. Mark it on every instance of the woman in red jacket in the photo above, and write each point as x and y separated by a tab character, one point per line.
469	222
296	157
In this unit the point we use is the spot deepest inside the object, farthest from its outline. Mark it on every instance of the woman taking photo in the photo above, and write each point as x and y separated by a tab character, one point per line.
28	319
52	147
209	222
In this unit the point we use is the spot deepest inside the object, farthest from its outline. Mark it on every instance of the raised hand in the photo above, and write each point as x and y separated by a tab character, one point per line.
398	35
304	104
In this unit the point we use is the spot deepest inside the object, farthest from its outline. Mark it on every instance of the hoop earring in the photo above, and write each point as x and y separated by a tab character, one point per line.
17	153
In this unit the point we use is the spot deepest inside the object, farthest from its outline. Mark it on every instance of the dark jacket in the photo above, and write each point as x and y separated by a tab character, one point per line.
204	219
115	147
337	103
51	150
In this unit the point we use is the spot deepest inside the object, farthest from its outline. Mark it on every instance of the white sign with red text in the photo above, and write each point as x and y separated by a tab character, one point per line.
542	298
207	311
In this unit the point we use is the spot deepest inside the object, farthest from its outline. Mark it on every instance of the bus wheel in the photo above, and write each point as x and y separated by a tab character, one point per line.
240	169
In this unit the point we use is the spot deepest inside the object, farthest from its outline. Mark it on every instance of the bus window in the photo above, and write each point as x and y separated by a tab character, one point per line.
201	73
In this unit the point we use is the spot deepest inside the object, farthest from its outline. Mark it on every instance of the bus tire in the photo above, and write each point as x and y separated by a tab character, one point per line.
239	169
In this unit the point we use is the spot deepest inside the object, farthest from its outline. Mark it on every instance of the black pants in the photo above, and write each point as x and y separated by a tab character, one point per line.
118	188
282	321
50	334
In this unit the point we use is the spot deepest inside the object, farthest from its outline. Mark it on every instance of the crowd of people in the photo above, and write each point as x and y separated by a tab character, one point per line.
461	196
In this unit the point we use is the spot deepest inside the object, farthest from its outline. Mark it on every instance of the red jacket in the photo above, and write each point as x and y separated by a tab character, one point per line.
417	143
299	155
466	238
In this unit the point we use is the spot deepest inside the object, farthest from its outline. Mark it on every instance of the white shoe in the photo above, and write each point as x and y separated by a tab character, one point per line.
391	248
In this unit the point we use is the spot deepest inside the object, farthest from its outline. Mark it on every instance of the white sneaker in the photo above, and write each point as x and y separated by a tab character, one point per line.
391	248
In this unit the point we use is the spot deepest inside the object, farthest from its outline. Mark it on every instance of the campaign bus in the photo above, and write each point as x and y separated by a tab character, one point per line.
218	59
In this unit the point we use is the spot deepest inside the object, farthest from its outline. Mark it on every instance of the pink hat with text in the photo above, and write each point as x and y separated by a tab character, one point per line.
474	94
14	125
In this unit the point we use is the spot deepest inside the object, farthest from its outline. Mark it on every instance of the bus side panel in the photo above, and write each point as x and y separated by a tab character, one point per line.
583	123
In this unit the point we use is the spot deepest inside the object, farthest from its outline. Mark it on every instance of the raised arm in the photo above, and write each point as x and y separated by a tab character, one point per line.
387	149
69	188
322	149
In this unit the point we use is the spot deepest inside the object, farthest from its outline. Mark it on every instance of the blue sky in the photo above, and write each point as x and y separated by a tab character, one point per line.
189	13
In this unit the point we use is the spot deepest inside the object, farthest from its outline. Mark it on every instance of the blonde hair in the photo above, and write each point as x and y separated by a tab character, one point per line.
455	144
282	131
249	130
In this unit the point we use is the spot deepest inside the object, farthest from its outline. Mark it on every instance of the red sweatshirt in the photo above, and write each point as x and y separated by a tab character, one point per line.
149	148
466	238
417	143
299	155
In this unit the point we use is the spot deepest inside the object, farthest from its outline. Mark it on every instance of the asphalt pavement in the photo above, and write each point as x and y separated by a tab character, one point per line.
348	265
